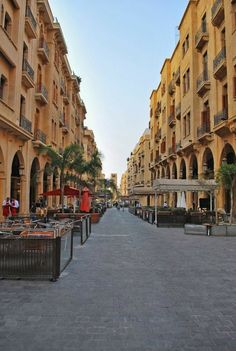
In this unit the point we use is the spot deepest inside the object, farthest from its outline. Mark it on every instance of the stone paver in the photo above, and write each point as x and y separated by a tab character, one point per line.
132	287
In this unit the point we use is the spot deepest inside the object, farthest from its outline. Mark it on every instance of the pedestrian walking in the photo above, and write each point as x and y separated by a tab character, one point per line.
6	207
14	206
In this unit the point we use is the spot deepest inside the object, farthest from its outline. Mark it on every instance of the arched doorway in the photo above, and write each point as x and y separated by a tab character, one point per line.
208	164
182	173
193	174
227	156
54	185
34	173
46	174
16	173
174	176
168	172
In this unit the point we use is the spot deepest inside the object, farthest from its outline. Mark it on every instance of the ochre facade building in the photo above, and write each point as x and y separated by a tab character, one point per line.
193	108
40	101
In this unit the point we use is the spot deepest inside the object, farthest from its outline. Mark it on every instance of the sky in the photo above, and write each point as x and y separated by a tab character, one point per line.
118	48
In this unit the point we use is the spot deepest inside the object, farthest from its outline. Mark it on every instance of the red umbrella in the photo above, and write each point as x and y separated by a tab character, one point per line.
85	202
68	191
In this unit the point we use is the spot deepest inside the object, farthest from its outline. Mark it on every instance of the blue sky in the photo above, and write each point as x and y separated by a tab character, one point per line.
118	47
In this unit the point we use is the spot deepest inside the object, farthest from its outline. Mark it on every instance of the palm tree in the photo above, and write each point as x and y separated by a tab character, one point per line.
226	176
62	161
94	166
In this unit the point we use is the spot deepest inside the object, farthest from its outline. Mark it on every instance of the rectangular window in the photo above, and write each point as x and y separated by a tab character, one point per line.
184	126
3	84
188	124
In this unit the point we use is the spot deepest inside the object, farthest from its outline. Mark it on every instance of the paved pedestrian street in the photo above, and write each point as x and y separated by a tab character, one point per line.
131	287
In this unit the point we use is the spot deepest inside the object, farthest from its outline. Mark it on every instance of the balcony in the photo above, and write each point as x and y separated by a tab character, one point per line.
62	86
179	149
172	152
30	23
25	124
202	37
158	135
65	128
66	99
171	120
178	111
61	119
158	159
203	83
177	77
41	94
27	75
220	120
217	13
171	87
77	120
203	132
219	65
40	138
43	51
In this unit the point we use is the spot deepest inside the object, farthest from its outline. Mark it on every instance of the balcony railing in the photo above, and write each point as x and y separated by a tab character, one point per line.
41	136
177	77
203	83
178	111
171	87
30	23
204	129
201	37
217	12
219	64
25	124
171	120
43	50
172	150
27	75
220	117
28	69
41	94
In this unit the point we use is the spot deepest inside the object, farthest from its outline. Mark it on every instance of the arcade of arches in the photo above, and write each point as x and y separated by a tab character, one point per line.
202	165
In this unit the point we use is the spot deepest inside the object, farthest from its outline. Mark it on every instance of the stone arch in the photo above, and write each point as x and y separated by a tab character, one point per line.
183	172
167	172
17	171
193	167
228	154
174	174
208	164
34	178
163	172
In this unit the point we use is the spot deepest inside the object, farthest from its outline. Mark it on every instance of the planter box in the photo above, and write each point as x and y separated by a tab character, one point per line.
224	230
195	229
95	218
170	219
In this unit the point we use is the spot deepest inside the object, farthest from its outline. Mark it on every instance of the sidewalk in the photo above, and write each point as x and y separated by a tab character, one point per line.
131	287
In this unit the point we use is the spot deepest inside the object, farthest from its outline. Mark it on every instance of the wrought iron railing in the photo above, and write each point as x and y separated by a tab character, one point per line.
25	124
221	56
43	45
42	90
28	69
220	117
40	135
203	129
204	77
29	14
178	110
202	31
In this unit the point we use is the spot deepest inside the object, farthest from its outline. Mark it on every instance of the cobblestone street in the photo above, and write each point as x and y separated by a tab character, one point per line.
131	287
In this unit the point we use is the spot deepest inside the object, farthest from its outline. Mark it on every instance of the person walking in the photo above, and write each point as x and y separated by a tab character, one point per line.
14	207
6	207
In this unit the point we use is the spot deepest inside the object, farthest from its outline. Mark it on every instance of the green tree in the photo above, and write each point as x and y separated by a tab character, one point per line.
62	161
94	166
226	176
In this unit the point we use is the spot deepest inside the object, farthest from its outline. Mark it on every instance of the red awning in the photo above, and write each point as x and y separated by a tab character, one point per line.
68	191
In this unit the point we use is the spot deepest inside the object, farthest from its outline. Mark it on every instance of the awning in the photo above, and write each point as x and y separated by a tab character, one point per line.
179	185
68	191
